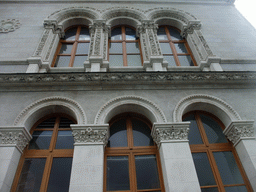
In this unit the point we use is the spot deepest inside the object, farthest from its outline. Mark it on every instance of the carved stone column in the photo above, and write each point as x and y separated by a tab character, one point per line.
12	142
88	159
177	163
242	135
97	60
152	56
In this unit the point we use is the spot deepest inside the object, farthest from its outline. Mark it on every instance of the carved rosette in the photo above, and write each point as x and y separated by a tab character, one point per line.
90	134
238	130
9	25
14	136
171	132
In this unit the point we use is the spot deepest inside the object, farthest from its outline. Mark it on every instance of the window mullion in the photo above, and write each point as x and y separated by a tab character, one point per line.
54	134
201	129
133	180
46	174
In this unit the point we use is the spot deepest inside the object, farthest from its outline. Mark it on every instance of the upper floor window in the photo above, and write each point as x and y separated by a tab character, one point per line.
175	49
124	47
73	49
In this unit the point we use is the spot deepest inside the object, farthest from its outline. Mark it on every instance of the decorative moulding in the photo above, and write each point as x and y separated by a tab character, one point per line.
170	132
90	134
239	130
14	136
9	25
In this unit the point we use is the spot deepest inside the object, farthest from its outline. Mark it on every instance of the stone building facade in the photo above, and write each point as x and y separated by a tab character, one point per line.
187	71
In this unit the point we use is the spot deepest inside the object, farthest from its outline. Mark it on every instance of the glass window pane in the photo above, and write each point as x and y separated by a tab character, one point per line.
118	134
180	48
65	140
175	34
215	189
170	60
62	61
185	60
118	173
79	61
213	130
132	47
84	34
141	134
161	34
130	34
166	49
49	123
65	122
70	34
116	34
228	168
40	140
236	189
203	169
31	175
116	60
146	172
82	48
115	48
194	136
60	175
66	48
134	60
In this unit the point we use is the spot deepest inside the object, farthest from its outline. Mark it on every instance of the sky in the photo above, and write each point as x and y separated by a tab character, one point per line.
247	8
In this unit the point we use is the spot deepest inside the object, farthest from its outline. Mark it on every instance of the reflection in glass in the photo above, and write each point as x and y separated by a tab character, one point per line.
194	136
170	60
66	48
132	47
79	61
40	140
166	49
180	48
62	61
236	189
31	175
60	175
70	34
215	189
49	123
185	60
175	35
118	134
117	173
130	34
146	172
161	34
133	60
116	60
82	48
141	134
84	34
65	122
115	48
65	140
116	34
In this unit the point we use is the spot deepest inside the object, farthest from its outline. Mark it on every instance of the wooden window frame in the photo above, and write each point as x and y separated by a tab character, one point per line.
208	148
131	151
124	42
47	154
74	47
172	43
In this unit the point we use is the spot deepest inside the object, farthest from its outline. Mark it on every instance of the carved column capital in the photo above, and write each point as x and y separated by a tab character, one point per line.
190	27
90	134
99	24
17	137
238	130
146	24
170	132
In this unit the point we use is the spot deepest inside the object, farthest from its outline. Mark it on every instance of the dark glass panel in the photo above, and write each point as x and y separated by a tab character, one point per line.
180	48
133	60
65	122
141	134
130	34
79	61
60	175
116	60
82	48
175	34
213	130
215	189
203	169
236	189
161	34
115	48
31	175
49	123
118	134
66	48
229	171
118	173
62	61
116	34
185	60
146	172
132	47
194	136
84	34
65	140
70	34
166	49
170	60
40	140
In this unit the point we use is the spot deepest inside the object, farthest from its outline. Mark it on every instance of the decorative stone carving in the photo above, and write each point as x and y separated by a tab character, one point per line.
9	25
206	46
50	48
170	132
238	130
42	43
189	29
90	134
14	136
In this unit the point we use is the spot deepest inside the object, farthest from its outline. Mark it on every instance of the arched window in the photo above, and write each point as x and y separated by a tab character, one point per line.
175	49
73	48
124	47
131	157
46	162
217	164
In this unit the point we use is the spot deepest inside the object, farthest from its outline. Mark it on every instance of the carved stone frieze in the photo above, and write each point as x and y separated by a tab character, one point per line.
90	134
170	132
9	25
14	136
50	48
239	130
42	43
